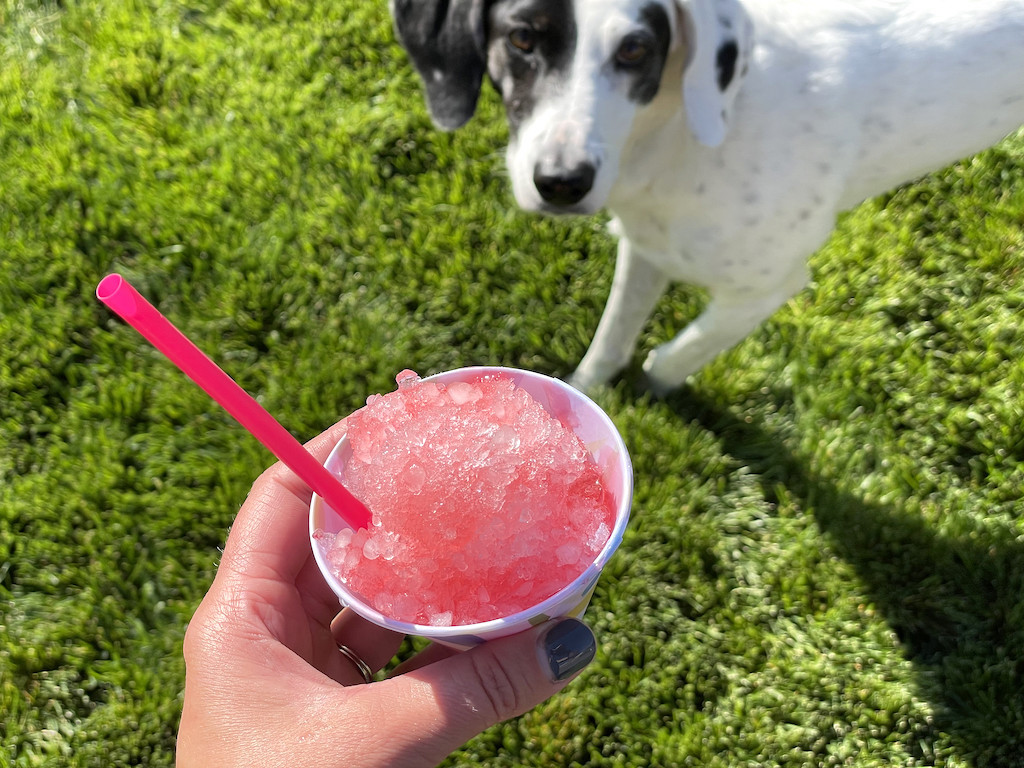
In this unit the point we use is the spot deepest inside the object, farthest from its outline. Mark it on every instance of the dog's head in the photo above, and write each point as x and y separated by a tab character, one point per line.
572	75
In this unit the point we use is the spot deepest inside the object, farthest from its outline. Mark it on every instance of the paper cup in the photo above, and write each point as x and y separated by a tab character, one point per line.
575	411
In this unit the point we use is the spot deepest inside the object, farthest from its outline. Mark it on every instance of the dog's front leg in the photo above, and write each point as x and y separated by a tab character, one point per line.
636	287
727	320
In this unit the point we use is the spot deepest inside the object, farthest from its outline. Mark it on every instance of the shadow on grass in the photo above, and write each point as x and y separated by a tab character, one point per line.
957	604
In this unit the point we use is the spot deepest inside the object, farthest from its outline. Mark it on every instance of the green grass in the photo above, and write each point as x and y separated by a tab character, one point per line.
826	560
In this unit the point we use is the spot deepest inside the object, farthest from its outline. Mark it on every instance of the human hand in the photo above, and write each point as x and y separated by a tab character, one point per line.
265	684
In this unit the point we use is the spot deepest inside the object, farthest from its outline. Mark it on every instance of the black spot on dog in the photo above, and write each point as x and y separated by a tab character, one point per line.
726	60
648	77
532	73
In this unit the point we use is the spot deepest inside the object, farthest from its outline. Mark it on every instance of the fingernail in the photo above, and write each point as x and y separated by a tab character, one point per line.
568	647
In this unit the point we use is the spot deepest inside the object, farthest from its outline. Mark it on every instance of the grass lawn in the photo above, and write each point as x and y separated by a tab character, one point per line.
826	560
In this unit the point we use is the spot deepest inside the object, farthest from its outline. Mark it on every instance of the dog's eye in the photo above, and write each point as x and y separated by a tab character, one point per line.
632	52
522	38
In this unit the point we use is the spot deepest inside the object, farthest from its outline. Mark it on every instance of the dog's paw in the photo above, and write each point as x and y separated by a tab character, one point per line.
655	382
587	378
582	383
656	388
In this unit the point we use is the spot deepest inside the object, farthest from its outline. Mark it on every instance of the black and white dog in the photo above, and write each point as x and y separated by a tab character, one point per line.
723	135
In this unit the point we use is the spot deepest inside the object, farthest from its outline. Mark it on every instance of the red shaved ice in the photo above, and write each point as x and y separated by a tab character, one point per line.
483	503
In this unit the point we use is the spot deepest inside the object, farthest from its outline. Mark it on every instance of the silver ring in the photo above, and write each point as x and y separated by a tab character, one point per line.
362	666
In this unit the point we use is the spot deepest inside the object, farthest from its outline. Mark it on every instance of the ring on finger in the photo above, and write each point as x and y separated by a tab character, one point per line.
362	666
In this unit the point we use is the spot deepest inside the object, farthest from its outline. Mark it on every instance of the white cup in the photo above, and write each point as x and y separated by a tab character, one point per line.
575	411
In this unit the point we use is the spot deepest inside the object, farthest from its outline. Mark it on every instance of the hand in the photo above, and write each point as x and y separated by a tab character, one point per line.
265	684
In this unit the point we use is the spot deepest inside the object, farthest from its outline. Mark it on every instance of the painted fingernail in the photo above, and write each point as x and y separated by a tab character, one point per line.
568	647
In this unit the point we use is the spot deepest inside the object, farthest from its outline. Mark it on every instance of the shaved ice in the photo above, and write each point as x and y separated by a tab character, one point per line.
483	503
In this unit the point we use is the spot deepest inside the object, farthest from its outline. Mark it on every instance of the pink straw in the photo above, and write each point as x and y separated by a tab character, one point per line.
118	294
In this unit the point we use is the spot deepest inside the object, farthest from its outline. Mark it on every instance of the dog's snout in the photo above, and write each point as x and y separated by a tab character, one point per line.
564	186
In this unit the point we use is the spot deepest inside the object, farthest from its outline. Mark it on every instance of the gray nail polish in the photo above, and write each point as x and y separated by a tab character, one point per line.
568	647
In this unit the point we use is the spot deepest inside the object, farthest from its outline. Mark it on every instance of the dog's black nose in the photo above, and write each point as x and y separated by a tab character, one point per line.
564	186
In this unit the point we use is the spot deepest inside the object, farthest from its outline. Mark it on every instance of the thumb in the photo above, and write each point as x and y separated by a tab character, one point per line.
465	694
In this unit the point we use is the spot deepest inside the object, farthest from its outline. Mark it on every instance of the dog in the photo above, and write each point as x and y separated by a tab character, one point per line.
723	136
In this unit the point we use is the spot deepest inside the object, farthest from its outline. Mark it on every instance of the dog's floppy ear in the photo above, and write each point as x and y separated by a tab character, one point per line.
720	36
445	40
